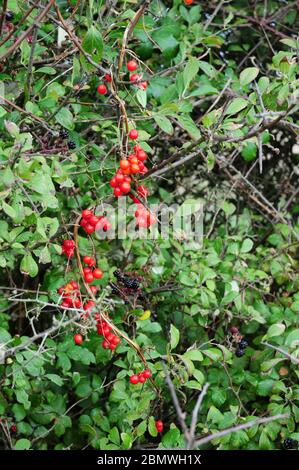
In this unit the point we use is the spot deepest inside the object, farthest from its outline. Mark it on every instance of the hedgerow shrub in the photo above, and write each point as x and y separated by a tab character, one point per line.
215	107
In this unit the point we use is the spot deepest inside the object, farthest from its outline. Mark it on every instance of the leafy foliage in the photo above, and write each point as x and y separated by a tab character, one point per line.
219	120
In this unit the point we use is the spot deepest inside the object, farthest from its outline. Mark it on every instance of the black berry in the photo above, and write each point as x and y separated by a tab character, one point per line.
9	16
243	344
63	134
71	144
290	443
240	352
118	275
131	283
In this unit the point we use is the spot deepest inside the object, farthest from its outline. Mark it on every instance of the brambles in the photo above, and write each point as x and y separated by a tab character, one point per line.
71	144
290	443
127	285
234	330
243	344
214	111
9	16
240	352
63	134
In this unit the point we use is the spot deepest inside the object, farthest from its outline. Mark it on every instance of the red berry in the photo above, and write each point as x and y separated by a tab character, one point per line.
142	379
141	155
234	330
102	89
77	303
97	273
133	134
106	330
94	289
89	305
108	77
125	187
159	425
86	259
105	344
78	339
117	192
124	164
116	340
144	85
89	228
119	178
86	213
68	243
188	2
132	65
88	277
75	284
134	379
93	220
112	346
147	373
91	262
113	182
13	428
135	77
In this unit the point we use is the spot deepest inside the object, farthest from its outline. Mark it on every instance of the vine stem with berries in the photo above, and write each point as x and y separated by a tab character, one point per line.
128	32
103	316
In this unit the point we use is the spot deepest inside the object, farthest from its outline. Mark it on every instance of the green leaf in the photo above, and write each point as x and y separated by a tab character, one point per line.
193	355
22	444
141	96
9	210
246	245
248	75
93	43
190	71
55	379
29	266
236	106
189	125
207	68
174	337
275	330
65	118
164	123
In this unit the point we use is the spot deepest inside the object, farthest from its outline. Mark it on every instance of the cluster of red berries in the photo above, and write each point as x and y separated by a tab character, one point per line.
159	426
91	272
70	295
68	248
111	341
136	78
141	377
90	222
144	217
121	181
